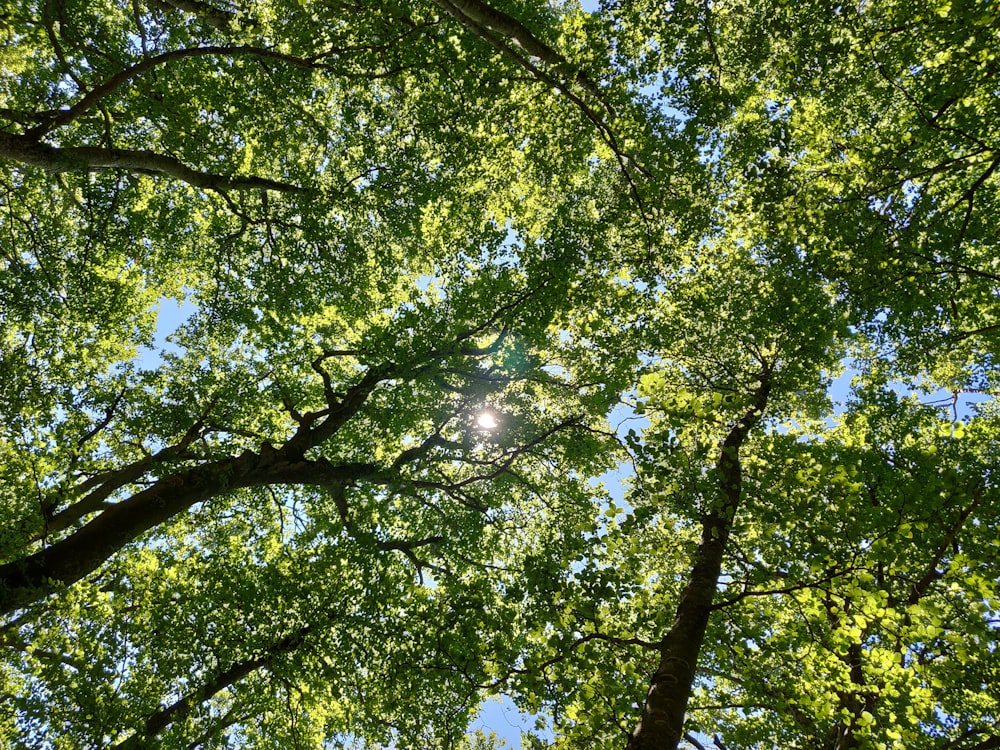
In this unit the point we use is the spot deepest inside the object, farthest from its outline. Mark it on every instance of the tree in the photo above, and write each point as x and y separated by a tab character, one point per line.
802	107
286	526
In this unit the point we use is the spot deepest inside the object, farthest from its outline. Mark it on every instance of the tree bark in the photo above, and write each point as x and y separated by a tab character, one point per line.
662	722
93	159
82	552
218	19
489	23
182	707
67	561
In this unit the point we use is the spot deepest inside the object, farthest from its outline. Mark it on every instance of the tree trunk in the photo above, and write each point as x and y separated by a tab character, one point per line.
662	724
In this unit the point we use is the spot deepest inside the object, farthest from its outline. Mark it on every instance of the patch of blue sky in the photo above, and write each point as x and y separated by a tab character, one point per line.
171	314
500	716
954	405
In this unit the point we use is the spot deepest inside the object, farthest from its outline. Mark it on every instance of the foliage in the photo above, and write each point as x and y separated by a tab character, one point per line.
279	522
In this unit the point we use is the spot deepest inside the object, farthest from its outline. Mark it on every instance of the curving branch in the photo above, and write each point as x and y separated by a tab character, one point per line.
95	490
920	588
65	562
749	592
27	150
148	64
513	39
492	25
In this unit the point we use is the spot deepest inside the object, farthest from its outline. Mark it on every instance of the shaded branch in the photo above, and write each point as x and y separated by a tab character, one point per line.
93	159
991	743
335	416
218	19
507	35
102	486
566	651
37	575
128	74
407	547
104	421
962	335
182	707
490	24
747	592
920	588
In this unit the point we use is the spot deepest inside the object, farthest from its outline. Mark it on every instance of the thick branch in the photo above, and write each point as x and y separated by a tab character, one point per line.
67	561
92	159
35	576
99	488
96	499
508	35
481	18
511	38
310	433
853	699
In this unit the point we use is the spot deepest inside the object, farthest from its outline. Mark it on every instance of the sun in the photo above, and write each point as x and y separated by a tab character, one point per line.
487	420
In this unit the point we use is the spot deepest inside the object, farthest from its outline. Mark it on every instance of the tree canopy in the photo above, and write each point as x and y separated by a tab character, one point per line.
505	368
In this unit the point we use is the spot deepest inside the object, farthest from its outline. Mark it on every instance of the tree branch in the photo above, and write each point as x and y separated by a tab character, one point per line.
92	159
920	588
100	487
144	66
504	33
35	576
485	21
182	707
218	19
747	592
